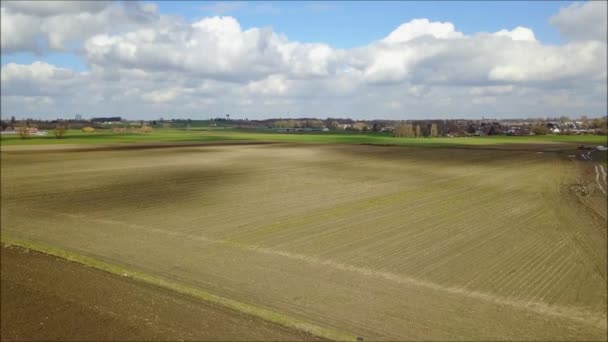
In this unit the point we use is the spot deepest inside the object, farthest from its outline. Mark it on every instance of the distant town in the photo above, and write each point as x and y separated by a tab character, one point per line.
403	128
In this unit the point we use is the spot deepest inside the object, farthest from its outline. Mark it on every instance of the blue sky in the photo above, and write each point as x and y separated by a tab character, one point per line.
346	24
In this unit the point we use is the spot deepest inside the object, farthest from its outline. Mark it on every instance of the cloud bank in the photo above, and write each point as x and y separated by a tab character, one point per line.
144	64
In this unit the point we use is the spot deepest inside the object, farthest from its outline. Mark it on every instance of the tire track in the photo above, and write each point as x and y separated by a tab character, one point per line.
597	178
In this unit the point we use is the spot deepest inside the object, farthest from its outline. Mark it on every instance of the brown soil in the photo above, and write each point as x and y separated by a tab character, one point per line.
47	298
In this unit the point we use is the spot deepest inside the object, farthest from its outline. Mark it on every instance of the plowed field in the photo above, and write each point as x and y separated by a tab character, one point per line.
374	241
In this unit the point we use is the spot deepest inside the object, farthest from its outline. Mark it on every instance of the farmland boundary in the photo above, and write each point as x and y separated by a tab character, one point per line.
245	308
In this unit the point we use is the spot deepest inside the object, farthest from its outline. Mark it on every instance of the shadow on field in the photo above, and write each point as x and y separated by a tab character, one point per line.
26	149
450	155
135	190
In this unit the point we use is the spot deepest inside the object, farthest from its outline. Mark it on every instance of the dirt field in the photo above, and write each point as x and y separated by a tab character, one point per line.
47	298
372	241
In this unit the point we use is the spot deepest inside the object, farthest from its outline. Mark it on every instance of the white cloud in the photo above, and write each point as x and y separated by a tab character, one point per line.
422	27
56	7
536	63
17	32
215	47
164	95
36	26
518	33
272	85
491	90
583	21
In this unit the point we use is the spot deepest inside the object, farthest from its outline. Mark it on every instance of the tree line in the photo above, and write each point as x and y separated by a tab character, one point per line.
408	130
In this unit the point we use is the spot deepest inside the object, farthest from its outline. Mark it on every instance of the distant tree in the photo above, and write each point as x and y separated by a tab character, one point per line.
334	125
418	131
540	130
23	130
375	127
60	130
146	129
404	130
312	123
471	129
13	121
492	130
409	131
360	126
434	131
399	130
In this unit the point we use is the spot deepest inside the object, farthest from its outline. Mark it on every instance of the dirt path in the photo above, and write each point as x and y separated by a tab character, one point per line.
47	298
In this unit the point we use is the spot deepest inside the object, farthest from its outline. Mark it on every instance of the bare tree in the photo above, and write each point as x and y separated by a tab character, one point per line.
409	130
146	129
434	132
404	130
418	131
399	130
60	130
24	130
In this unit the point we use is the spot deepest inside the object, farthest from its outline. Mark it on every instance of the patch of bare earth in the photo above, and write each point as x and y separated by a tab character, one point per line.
47	298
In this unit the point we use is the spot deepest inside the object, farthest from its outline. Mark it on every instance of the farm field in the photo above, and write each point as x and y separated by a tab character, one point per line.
214	135
342	240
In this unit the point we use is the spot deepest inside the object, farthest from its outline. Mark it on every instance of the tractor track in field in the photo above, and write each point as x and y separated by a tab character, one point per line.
600	173
597	178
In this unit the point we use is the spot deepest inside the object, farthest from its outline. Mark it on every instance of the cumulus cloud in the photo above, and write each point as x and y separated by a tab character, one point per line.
518	33
155	65
38	78
52	8
422	27
37	26
583	21
215	47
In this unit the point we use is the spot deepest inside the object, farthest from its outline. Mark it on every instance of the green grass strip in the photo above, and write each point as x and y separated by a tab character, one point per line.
265	314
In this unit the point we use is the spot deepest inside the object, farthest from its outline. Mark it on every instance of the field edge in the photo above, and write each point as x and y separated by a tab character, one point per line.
196	293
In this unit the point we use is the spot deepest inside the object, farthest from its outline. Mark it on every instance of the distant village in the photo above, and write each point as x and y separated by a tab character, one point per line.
449	128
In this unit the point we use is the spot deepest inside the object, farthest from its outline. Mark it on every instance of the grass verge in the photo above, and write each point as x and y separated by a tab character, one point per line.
268	315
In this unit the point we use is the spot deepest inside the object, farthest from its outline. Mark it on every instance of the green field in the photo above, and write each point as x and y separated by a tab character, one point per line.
203	135
383	242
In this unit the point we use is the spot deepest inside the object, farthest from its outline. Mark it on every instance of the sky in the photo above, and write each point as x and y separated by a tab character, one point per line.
364	60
